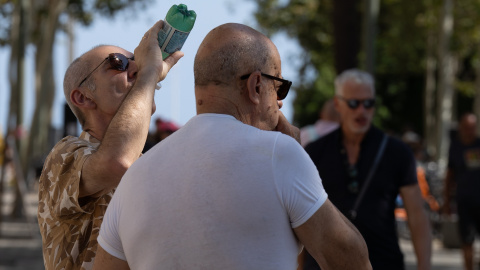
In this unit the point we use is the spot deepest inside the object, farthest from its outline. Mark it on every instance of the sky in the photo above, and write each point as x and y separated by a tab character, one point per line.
175	100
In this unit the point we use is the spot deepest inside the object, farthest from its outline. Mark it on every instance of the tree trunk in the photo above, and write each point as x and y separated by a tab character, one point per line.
445	85
38	145
17	64
429	97
476	101
372	9
346	28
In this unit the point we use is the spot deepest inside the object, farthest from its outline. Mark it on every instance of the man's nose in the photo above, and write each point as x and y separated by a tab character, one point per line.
280	104
361	108
132	69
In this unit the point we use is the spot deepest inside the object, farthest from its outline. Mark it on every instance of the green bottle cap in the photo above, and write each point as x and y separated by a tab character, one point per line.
173	35
181	18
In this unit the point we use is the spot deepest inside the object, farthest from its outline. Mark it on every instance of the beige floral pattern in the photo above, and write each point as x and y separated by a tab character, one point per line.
69	225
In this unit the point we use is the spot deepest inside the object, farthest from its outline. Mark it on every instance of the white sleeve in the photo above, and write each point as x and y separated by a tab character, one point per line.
109	238
298	181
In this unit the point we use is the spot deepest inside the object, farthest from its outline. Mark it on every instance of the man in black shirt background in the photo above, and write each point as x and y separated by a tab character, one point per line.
345	157
463	175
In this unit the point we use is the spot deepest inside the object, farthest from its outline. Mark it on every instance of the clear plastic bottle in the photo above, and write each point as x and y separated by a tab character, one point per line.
177	25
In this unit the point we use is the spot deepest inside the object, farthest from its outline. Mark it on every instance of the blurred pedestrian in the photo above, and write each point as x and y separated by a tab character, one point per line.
363	170
414	141
163	129
463	175
225	191
328	121
111	94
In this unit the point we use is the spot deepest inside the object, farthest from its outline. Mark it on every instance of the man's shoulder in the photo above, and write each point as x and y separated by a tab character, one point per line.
71	144
397	145
477	142
320	143
67	152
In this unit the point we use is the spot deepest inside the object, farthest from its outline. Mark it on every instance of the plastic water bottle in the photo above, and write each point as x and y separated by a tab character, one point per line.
177	25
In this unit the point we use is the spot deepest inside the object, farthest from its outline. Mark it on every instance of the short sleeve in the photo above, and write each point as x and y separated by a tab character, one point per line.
298	182
60	180
407	171
109	238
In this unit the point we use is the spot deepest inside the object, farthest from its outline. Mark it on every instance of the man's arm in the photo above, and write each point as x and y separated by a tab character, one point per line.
128	130
105	261
333	241
418	224
286	128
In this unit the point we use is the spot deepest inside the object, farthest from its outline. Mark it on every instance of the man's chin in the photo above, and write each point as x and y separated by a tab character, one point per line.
154	108
360	129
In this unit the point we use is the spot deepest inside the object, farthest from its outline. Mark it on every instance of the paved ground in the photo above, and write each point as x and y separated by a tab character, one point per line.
20	240
20	244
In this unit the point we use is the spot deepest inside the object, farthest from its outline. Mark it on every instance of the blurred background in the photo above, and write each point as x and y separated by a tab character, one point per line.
424	55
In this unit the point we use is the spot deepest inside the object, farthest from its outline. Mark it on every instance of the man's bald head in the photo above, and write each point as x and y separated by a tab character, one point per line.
229	51
78	70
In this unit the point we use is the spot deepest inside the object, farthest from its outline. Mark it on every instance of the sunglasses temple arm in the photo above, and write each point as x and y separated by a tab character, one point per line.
89	74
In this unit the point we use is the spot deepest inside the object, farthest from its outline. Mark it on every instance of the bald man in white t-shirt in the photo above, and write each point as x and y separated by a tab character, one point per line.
232	189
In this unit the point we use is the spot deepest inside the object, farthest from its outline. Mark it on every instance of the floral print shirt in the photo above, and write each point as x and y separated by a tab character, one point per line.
69	225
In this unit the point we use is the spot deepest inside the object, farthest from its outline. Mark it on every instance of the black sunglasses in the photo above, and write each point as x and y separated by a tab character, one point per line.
282	90
354	103
117	61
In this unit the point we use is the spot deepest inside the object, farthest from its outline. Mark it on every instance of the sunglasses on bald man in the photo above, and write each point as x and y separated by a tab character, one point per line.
354	103
282	90
117	61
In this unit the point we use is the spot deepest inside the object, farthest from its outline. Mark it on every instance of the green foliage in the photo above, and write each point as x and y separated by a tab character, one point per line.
82	10
309	22
6	9
400	47
111	7
310	97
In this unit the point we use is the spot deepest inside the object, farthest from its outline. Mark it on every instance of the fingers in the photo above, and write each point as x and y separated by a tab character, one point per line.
151	36
169	62
286	128
173	58
150	55
154	29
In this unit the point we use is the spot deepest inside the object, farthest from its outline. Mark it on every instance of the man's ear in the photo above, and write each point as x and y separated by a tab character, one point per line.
80	100
254	84
335	103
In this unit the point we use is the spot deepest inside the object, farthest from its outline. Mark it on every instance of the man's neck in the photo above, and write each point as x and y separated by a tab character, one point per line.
94	134
352	139
352	142
216	100
98	128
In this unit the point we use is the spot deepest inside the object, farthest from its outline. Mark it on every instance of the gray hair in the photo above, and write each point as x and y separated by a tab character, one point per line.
355	75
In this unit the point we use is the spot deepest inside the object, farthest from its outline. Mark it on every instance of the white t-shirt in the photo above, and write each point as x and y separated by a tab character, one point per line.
217	194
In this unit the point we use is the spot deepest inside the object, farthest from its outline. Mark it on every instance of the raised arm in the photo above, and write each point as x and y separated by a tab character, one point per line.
127	132
418	224
286	128
333	241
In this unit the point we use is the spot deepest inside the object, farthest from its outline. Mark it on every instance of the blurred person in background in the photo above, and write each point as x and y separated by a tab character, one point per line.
328	121
462	181
414	141
364	192
163	129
